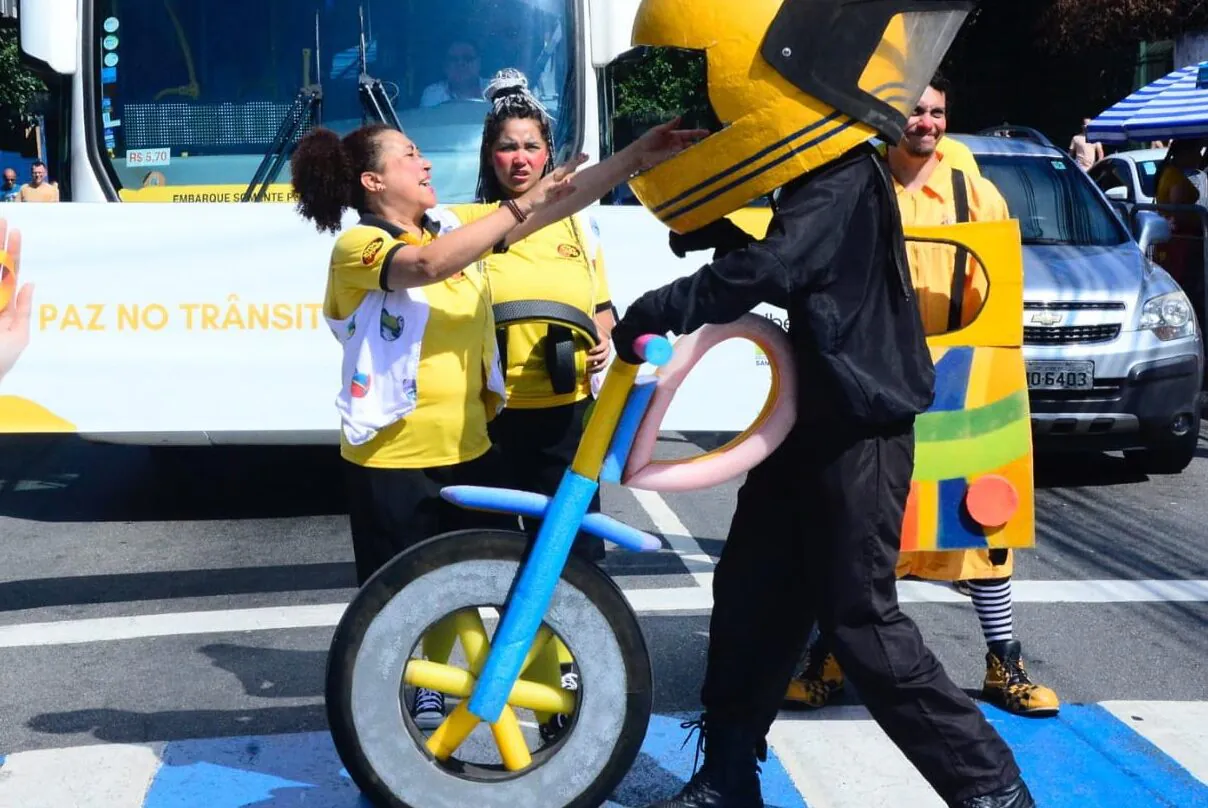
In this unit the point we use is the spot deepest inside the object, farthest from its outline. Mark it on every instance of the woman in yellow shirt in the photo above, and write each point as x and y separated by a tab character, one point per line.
409	305
547	369
549	387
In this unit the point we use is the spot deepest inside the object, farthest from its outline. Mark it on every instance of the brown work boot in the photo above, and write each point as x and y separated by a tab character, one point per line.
815	686
1007	683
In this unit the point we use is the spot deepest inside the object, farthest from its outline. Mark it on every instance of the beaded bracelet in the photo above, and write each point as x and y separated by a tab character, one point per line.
515	209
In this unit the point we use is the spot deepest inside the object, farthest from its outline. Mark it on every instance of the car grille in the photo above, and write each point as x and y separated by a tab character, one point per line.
1070	335
1075	305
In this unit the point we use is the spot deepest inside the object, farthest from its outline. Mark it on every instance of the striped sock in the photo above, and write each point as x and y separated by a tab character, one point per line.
992	599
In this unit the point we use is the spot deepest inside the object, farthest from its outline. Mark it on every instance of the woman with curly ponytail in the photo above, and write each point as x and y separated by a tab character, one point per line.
408	303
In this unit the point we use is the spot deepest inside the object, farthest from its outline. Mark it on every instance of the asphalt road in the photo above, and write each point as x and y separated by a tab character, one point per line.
91	531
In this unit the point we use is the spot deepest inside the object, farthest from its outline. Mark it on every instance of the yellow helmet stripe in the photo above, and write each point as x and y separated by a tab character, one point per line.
754	158
845	124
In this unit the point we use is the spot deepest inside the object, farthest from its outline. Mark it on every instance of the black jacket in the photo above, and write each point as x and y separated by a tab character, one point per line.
834	258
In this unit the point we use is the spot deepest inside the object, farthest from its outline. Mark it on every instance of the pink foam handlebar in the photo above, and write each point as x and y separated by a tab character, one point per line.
744	452
653	348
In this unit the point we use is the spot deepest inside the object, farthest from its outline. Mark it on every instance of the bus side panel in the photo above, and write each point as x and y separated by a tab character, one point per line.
728	387
172	319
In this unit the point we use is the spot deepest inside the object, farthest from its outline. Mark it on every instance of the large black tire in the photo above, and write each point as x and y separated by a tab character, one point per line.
381	748
1170	457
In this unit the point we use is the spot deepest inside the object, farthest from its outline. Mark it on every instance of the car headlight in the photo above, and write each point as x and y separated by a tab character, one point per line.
1169	316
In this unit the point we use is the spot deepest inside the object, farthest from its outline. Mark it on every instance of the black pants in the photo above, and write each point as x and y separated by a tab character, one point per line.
537	446
391	510
816	536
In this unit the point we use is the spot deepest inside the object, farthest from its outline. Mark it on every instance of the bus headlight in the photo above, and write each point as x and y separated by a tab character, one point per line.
1169	316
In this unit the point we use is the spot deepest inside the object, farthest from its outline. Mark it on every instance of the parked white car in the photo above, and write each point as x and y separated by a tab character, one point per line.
1130	176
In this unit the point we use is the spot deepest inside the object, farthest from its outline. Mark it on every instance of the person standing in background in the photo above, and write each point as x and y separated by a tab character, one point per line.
1085	154
39	188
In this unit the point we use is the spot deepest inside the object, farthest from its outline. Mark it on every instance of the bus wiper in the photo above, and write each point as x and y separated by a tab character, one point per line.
1048	242
307	109
374	100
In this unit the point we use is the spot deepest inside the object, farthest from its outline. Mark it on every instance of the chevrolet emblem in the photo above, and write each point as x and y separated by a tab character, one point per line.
1047	318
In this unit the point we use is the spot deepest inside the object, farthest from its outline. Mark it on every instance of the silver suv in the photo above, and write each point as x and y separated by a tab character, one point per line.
1112	345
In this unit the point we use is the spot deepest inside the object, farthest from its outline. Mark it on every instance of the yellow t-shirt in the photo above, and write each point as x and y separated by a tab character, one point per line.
556	263
449	422
932	265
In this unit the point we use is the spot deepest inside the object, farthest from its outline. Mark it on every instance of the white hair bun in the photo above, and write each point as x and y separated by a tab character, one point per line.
508	81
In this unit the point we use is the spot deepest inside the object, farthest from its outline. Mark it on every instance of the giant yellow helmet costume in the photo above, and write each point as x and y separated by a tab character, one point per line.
783	86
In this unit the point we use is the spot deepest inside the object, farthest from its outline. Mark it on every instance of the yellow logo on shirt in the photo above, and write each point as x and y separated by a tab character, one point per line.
569	251
371	251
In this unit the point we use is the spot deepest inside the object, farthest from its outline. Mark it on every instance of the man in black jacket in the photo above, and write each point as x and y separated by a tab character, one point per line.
815	534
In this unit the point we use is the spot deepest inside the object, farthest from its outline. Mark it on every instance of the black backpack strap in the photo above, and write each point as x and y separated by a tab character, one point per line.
563	323
956	300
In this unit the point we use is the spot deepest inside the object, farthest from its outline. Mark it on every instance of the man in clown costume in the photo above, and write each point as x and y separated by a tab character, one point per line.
937	182
793	92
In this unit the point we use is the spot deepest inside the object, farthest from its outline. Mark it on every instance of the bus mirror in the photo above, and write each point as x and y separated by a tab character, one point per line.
611	28
49	34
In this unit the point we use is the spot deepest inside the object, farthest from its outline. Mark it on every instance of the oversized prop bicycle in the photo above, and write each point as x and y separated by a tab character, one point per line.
452	579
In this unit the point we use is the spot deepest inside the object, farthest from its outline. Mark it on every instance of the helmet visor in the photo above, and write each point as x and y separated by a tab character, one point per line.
869	59
652	85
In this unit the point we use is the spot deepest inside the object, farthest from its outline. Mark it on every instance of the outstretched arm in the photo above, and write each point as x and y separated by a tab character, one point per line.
590	184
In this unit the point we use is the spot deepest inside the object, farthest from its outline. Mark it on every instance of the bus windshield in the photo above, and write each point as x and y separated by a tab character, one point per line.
191	94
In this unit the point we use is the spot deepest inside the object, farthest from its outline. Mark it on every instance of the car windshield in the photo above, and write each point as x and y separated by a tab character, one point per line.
1052	200
192	92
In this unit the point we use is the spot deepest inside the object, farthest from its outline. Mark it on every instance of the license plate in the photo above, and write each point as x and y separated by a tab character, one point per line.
1061	375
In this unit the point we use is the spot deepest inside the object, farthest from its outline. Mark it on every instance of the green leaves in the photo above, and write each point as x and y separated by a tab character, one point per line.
661	89
1081	24
19	86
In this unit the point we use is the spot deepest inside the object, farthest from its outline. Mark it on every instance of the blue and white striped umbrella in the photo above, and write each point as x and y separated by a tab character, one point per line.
1172	107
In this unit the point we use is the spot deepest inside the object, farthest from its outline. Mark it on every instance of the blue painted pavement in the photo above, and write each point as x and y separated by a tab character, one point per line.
304	771
1084	758
1088	758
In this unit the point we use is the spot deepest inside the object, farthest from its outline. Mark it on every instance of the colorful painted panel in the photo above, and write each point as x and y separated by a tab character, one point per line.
973	486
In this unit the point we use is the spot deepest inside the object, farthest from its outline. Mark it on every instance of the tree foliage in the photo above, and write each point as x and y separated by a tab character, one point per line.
19	86
664	83
1076	25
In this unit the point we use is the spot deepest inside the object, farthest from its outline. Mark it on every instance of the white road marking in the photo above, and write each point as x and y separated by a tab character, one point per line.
827	756
697	561
1178	728
104	776
643	601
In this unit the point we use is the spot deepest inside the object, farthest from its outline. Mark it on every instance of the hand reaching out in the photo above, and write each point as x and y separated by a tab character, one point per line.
16	304
664	141
555	186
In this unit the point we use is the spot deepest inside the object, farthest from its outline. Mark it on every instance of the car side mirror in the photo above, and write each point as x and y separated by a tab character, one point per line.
1118	194
1151	229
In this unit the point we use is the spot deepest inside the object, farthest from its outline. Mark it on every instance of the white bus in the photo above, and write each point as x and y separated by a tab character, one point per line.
177	292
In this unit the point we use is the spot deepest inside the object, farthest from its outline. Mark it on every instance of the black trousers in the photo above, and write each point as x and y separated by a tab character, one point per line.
815	536
537	446
391	510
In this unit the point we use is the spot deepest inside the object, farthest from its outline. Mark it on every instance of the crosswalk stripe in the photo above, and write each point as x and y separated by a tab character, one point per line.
104	776
1178	728
840	757
643	601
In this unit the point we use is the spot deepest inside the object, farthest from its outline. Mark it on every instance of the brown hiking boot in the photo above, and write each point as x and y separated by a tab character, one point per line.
816	685
1008	686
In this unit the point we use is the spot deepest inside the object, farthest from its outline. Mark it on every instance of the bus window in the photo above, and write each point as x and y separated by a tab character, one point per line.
191	94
